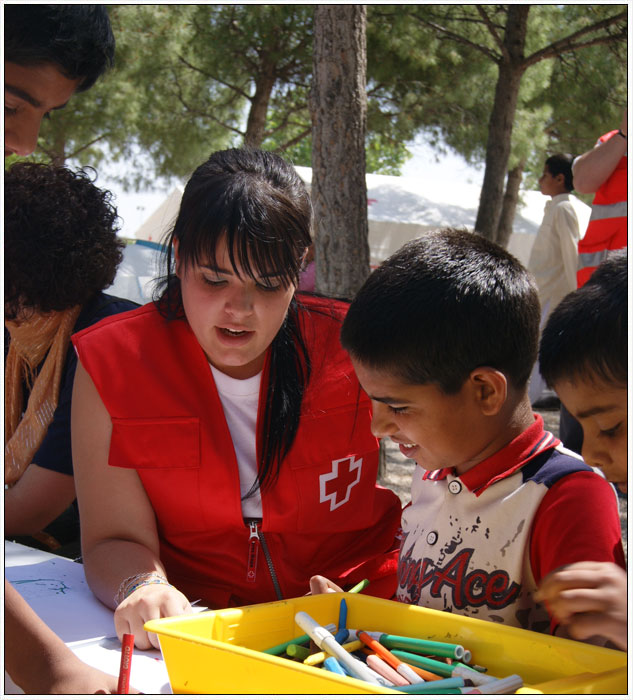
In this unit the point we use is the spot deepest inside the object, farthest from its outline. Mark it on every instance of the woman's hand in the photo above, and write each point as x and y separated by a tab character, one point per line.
589	598
320	584
148	602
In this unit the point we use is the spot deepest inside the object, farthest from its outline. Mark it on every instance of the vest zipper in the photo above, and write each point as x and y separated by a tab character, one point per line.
255	540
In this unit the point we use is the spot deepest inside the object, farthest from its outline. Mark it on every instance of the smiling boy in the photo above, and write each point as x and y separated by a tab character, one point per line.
443	336
584	359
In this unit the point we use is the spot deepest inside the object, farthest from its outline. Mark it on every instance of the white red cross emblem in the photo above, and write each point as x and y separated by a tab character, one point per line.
337	486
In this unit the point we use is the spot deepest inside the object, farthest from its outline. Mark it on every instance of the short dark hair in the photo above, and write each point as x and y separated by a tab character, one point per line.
442	305
76	38
60	238
586	334
560	164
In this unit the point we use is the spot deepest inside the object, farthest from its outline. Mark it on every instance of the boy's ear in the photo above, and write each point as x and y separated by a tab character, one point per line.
490	388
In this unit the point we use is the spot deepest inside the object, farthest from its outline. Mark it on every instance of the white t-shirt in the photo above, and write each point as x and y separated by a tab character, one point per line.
240	399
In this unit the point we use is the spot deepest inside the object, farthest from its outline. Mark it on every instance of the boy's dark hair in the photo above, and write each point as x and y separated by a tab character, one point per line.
560	164
442	305
76	38
586	335
258	202
60	238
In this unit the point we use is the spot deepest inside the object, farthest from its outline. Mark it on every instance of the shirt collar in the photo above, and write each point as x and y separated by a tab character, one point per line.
510	458
516	453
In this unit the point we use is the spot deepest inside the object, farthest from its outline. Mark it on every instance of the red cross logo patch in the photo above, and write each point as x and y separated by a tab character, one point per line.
336	486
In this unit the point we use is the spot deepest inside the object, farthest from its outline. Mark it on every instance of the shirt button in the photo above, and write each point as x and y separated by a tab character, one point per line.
455	487
431	538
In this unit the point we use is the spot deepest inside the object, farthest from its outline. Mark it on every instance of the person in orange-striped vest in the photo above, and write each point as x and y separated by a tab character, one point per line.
603	170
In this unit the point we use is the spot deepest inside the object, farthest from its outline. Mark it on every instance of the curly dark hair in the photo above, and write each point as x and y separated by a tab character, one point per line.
60	238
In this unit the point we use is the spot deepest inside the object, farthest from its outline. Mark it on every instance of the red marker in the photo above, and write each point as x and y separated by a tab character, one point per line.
127	647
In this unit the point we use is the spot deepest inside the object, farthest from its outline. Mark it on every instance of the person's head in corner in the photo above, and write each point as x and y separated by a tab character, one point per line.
443	336
583	358
50	52
60	240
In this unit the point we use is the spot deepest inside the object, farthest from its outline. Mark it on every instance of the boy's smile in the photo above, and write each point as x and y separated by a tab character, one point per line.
600	407
435	429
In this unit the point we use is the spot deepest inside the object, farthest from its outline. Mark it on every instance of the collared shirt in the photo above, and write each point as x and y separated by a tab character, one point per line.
478	544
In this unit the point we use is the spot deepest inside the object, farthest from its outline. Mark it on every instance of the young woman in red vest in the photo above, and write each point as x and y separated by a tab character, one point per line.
222	442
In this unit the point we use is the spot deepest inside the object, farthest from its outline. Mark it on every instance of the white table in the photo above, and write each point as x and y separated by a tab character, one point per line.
56	589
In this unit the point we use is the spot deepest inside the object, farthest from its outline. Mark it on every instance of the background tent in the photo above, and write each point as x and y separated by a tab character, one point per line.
134	278
399	209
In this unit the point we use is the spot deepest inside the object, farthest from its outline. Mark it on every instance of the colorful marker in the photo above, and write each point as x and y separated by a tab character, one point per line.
297	651
127	647
325	640
360	586
424	646
440	686
502	686
320	656
384	669
342	615
387	656
302	639
331	664
442	669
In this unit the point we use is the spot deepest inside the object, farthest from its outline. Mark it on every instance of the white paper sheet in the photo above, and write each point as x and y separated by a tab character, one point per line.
148	672
57	590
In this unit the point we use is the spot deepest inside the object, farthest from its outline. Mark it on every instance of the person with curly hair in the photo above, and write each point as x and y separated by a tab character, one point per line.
61	251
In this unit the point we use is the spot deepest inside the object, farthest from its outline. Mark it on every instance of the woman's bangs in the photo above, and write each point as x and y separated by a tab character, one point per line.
261	255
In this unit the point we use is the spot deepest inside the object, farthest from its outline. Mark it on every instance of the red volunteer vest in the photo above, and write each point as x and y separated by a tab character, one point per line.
325	514
607	226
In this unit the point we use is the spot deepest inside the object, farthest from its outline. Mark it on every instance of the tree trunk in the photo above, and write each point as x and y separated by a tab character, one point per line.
339	116
511	68
509	208
256	121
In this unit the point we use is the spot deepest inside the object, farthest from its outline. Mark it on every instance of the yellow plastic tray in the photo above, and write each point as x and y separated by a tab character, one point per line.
220	651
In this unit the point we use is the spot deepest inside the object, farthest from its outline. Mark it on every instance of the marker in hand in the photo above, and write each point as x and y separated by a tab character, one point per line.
127	647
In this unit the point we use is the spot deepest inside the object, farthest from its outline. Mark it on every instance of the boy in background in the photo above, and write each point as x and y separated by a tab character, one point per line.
443	337
554	255
583	357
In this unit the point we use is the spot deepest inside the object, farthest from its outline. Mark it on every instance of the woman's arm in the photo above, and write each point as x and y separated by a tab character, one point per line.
118	526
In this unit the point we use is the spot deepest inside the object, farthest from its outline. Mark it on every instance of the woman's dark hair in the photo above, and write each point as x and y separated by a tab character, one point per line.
77	38
443	305
586	334
560	164
60	238
259	205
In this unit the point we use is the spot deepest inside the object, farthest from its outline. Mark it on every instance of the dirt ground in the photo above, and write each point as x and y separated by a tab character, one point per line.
398	470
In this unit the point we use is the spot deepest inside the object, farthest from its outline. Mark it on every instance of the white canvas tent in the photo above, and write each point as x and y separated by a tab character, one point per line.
399	209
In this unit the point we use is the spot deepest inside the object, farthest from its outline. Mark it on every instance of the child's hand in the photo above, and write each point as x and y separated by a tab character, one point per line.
74	676
589	598
320	584
148	603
